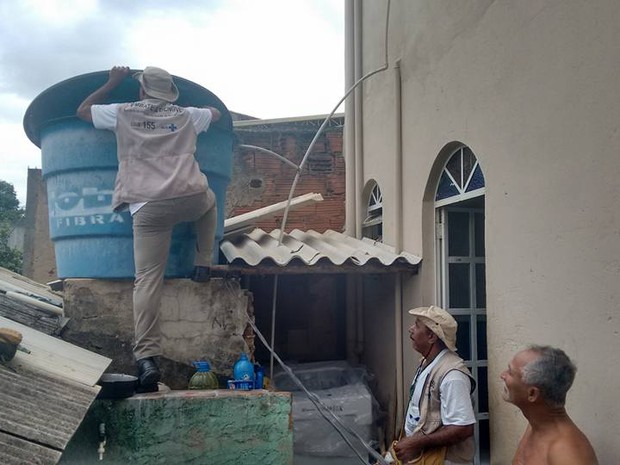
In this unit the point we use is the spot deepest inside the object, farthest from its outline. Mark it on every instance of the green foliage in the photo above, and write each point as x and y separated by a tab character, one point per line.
10	258
9	205
10	214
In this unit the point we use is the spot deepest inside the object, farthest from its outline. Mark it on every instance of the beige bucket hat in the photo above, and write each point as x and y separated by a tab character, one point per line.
157	83
440	322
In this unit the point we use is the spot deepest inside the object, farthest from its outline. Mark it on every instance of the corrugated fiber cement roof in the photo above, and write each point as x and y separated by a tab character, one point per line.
312	248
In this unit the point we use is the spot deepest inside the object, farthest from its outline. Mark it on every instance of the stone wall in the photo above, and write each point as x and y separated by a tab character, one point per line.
199	321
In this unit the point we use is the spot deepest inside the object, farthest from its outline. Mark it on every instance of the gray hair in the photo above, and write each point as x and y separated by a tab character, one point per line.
552	372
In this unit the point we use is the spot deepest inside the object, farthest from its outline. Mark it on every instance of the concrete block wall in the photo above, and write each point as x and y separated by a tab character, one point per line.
199	321
187	427
39	258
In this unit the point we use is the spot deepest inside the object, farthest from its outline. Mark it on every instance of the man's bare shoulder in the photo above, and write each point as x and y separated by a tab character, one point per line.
572	448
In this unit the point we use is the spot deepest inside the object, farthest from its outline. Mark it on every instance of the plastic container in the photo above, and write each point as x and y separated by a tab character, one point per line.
345	391
243	373
243	370
79	167
117	386
204	378
259	376
240	385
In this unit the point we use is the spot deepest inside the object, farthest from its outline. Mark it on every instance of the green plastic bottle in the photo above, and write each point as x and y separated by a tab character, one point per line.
204	378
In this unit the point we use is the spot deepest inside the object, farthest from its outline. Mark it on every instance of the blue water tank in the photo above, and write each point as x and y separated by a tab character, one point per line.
79	166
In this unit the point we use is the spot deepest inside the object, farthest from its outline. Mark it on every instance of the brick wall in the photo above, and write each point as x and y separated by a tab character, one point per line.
259	179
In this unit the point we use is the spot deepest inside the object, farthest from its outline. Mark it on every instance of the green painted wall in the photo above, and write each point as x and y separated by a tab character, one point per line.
187	427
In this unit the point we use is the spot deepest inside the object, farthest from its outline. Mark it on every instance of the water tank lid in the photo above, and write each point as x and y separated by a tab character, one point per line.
61	100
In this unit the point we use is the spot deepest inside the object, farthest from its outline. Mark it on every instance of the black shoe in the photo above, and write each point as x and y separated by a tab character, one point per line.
148	373
148	388
202	274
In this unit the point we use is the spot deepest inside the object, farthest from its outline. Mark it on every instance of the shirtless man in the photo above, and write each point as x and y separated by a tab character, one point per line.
536	381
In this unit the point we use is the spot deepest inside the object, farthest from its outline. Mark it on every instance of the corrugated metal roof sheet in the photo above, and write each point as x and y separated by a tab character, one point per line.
44	395
311	248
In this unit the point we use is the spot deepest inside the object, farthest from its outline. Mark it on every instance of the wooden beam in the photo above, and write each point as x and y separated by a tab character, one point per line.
31	316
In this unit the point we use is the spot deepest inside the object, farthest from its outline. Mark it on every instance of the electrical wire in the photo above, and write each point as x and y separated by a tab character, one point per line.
270	152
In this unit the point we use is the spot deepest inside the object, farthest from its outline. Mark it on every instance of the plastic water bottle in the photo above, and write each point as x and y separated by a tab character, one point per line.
204	378
259	376
243	370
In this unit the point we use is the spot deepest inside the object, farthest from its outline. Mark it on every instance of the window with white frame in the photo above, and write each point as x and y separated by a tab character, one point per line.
372	227
461	178
460	220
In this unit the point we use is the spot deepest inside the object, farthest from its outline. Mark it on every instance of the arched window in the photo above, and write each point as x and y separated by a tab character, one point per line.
461	278
461	178
372	227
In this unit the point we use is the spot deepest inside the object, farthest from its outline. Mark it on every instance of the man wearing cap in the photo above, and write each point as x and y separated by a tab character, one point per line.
161	184
440	412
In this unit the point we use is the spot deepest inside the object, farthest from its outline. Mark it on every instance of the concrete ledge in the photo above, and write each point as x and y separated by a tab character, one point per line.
188	427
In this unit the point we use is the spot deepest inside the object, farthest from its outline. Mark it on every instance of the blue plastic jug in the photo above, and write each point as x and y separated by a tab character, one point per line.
243	370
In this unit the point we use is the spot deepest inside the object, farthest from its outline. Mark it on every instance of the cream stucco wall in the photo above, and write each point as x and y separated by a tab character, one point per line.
532	88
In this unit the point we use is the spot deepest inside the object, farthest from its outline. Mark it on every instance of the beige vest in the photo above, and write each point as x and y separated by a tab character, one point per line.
156	142
430	405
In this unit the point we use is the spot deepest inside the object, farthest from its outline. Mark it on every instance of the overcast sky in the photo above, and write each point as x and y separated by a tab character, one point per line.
265	58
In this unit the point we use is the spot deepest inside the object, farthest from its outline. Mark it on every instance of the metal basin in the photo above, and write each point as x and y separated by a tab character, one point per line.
117	386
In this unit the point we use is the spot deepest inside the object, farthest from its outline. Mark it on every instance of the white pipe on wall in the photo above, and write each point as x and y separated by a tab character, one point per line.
398	206
398	164
358	170
354	138
351	200
358	96
349	127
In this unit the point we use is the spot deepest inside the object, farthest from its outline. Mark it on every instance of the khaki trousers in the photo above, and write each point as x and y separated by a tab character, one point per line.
152	234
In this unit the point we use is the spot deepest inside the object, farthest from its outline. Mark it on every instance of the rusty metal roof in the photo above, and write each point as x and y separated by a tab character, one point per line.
312	248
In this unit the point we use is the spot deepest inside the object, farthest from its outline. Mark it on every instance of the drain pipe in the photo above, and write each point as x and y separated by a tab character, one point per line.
398	159
350	174
358	118
349	127
398	206
359	173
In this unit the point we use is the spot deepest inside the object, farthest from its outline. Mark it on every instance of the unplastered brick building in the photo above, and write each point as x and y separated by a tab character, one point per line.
260	179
